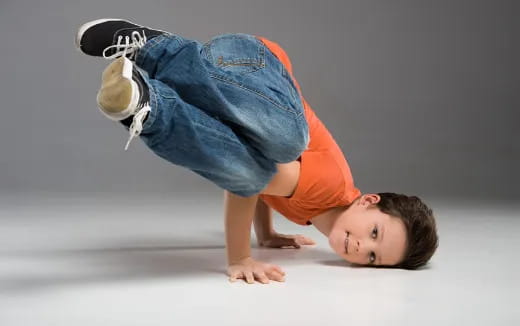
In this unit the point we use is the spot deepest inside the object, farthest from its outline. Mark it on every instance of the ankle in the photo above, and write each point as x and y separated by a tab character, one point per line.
128	121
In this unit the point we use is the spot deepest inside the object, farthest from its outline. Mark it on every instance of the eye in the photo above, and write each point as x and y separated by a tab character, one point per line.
374	232
372	257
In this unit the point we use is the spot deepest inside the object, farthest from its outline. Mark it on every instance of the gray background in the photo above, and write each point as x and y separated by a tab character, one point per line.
420	95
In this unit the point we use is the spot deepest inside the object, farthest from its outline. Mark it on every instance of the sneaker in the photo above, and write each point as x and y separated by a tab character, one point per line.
113	38
123	94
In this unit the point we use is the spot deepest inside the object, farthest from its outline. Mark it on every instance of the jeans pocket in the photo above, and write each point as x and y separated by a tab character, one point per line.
235	53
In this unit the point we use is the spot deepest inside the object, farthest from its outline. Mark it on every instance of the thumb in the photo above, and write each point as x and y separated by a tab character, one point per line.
291	242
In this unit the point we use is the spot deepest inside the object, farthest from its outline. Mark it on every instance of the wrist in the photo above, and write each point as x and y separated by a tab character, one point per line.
266	234
236	255
263	230
240	260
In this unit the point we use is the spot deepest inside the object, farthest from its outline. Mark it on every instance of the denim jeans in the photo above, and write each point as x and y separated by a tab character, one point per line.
226	109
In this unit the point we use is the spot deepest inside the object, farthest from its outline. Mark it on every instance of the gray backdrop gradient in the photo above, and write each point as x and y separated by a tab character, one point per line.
422	96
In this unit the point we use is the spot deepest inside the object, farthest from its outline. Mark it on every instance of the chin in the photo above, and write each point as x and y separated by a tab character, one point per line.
331	243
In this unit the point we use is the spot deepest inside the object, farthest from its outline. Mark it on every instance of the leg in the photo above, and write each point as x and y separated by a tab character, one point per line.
236	79
184	135
180	132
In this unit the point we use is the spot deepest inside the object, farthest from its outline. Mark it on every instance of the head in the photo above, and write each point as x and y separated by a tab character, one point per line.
385	229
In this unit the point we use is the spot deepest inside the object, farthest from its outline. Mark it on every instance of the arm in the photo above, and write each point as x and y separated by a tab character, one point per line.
268	237
239	213
263	221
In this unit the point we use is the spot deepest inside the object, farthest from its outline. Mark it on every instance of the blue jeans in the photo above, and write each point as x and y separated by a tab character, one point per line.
226	109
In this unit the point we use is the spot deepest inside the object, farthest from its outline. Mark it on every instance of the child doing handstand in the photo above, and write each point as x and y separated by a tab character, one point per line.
231	111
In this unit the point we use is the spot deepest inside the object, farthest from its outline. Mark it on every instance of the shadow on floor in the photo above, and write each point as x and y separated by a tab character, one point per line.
158	259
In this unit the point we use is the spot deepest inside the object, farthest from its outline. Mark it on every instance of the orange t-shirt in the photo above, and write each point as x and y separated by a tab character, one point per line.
325	178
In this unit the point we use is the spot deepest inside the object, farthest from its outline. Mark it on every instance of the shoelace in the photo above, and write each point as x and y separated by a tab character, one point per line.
130	46
122	49
137	124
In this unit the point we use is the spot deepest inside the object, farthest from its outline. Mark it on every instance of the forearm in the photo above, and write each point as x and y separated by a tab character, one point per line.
263	221
239	212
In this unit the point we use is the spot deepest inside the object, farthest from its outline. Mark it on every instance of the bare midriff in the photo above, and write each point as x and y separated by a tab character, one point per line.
284	181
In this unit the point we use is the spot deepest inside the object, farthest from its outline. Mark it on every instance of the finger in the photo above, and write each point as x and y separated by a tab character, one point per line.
278	269
277	276
306	241
289	243
249	277
278	243
301	239
293	244
234	277
262	278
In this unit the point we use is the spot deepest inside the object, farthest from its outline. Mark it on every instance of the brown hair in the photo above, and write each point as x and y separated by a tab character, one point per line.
421	230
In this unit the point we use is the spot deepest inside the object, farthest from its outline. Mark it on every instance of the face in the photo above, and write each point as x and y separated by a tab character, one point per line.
364	235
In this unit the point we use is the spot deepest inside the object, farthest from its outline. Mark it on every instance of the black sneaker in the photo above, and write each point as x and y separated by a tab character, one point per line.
112	38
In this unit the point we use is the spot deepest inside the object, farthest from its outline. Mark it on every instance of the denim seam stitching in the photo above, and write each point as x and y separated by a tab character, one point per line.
238	62
207	50
149	45
258	63
223	79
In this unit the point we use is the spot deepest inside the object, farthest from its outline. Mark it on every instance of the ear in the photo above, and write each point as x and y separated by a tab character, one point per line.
369	199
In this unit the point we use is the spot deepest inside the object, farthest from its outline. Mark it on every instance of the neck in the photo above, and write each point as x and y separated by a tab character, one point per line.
326	220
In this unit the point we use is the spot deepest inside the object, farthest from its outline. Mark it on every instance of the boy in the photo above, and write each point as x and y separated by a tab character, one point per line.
231	111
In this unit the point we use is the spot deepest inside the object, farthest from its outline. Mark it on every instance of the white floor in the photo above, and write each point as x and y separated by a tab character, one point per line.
160	260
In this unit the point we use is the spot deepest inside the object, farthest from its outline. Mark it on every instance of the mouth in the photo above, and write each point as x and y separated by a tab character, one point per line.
346	243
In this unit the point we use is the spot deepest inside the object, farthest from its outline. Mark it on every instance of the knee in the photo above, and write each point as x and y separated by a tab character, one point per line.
287	153
250	180
290	149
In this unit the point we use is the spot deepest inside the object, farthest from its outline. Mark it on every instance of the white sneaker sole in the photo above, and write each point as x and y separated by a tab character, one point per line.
126	73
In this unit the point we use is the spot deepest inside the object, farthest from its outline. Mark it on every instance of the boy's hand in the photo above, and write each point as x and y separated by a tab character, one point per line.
277	240
250	269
